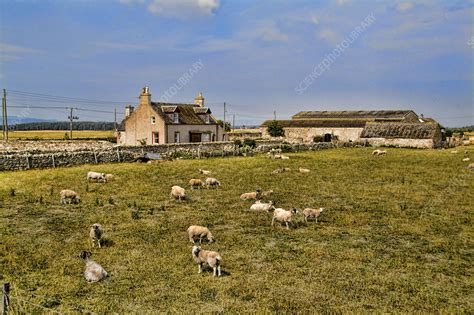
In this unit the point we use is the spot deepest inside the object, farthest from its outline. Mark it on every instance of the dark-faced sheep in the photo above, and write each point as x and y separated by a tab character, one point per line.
93	272
211	258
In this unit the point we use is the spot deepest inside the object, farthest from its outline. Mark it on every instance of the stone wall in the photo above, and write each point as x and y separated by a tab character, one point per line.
402	143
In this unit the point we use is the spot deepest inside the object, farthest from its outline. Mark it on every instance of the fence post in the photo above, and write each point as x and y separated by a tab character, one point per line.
27	161
52	157
95	156
118	155
5	298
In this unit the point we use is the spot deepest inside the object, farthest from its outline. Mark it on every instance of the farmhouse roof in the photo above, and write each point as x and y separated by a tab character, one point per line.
188	113
354	114
400	130
308	123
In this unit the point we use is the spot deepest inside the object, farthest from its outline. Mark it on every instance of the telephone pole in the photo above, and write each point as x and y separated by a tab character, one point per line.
233	121
4	115
71	119
115	119
225	110
274	115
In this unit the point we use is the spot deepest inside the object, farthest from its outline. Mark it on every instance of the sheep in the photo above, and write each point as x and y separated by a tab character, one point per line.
470	167
178	193
454	152
201	232
69	196
96	234
284	157
251	195
304	170
212	182
466	159
283	215
97	177
196	183
93	272
261	206
379	152
211	258
312	213
266	193
278	171
204	172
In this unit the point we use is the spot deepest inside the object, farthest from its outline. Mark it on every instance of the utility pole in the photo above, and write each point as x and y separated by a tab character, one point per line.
225	110
115	119
233	121
5	115
274	115
71	119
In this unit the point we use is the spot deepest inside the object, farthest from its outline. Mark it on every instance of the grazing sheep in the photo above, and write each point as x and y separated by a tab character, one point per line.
178	193
454	152
201	232
94	272
251	195
97	177
312	213
212	182
69	196
266	193
204	172
278	171
379	152
261	206
283	215
96	234
466	159
284	157
470	167
196	183
211	258
109	177
304	170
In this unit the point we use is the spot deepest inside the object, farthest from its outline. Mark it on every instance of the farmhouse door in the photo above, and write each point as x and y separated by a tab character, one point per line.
194	137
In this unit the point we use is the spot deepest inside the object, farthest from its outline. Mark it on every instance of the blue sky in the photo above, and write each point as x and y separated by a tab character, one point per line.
414	54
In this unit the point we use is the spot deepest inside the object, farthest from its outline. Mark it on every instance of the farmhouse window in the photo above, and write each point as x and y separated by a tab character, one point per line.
206	118
156	137
176	118
177	137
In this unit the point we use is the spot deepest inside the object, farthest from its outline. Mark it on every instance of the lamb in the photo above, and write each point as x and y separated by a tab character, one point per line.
212	182
251	195
304	170
178	193
454	152
69	196
97	177
379	152
283	215
201	232
312	213
96	233
211	258
284	157
196	183
93	272
204	172
466	159
261	206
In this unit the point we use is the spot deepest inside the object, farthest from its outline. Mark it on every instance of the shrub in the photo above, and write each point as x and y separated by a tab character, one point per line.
275	129
318	139
238	143
250	142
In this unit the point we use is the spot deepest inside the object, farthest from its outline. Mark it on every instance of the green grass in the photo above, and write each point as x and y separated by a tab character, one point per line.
396	236
59	134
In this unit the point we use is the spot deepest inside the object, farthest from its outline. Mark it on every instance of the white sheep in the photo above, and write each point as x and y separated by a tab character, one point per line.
379	152
211	258
312	213
201	232
178	193
304	170
454	152
283	215
93	272
284	157
466	159
95	234
69	196
262	206
196	183
97	177
251	195
470	167
204	172
212	182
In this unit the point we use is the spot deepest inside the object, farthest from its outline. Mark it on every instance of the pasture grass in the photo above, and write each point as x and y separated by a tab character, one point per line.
396	235
59	134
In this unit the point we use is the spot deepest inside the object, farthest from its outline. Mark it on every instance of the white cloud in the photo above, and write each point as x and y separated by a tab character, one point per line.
329	36
404	6
342	2
10	52
271	34
120	46
183	8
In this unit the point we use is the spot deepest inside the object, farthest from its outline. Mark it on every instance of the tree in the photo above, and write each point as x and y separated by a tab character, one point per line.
275	129
448	133
227	125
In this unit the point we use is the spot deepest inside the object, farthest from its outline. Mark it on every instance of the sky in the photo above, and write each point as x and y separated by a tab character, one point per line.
257	56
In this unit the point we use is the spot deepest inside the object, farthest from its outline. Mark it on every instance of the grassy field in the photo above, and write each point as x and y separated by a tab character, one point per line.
59	134
397	236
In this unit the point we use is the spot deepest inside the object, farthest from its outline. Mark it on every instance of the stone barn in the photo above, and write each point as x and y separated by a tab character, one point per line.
350	126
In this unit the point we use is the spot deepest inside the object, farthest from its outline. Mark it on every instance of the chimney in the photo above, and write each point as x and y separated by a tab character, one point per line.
128	110
145	96
199	100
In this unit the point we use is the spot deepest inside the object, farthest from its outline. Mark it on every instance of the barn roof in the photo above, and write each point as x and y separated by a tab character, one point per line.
400	130
354	114
308	123
187	113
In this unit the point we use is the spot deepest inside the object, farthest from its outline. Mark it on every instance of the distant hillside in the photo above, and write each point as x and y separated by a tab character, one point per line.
15	120
64	125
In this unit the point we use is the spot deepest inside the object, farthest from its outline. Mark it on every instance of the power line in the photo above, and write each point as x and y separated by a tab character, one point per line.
56	97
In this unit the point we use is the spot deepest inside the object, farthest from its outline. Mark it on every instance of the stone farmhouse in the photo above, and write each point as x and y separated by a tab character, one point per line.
158	123
402	128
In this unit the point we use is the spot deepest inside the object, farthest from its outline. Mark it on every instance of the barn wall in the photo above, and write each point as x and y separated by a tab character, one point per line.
307	134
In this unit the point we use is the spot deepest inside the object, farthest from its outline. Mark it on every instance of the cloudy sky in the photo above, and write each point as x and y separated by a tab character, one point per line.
257	56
